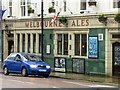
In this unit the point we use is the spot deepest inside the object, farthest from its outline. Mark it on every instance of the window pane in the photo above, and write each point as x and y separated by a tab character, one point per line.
59	44
77	44
10	11
83	44
28	43
10	2
34	43
39	43
116	4
22	10
23	42
18	42
65	44
64	6
83	5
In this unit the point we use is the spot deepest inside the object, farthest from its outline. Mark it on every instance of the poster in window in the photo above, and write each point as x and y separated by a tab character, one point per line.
60	64
93	47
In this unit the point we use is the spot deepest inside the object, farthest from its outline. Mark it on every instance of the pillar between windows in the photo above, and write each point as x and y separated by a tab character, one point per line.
20	42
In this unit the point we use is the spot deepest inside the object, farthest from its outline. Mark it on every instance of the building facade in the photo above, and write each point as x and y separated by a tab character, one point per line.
81	44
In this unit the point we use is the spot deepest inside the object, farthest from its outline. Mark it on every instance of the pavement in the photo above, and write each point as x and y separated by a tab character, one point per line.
106	80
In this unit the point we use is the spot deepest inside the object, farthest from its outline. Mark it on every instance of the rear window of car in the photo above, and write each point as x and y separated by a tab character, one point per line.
11	56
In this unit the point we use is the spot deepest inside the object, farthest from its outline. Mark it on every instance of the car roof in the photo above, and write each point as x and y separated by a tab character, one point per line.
24	54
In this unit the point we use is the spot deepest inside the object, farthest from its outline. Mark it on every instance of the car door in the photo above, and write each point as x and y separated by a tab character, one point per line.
10	62
17	63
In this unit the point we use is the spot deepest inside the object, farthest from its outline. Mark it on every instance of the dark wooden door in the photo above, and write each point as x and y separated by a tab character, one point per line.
116	58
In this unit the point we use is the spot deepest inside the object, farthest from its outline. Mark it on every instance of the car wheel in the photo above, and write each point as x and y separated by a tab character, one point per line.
24	72
5	71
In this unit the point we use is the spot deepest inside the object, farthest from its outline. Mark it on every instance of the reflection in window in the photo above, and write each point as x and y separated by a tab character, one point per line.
34	43
39	46
59	45
65	44
23	42
83	45
77	44
18	42
28	43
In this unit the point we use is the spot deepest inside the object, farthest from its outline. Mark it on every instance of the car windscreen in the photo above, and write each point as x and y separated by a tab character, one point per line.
32	57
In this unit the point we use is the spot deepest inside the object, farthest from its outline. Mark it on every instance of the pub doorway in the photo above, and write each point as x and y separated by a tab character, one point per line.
116	58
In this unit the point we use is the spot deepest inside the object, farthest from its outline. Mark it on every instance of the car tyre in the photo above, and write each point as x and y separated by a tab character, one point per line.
5	71
24	72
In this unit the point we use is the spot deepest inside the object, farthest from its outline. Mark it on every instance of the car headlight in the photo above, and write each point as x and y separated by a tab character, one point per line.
33	66
47	66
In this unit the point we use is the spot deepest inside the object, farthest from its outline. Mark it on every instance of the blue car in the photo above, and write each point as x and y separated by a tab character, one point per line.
25	64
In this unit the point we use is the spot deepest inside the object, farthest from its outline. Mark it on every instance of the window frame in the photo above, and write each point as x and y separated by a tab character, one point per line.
80	44
82	7
61	43
23	7
10	8
116	4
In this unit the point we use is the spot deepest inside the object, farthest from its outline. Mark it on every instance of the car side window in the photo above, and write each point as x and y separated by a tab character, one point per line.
18	58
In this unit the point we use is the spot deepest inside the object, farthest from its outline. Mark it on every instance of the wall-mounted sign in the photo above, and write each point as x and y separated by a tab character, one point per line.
60	64
100	37
93	47
48	49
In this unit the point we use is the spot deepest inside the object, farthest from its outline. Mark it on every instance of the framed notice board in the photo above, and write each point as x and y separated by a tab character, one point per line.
93	47
78	65
60	64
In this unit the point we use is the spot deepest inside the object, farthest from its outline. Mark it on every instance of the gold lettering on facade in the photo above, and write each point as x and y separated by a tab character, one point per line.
74	23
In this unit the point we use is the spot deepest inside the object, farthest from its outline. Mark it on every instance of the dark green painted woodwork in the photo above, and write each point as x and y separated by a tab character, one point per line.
69	64
97	66
48	40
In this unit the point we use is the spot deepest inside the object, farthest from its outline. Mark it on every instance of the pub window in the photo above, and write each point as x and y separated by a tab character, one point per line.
62	44
34	43
77	44
65	44
83	44
39	46
80	44
18	42
28	49
23	42
59	44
